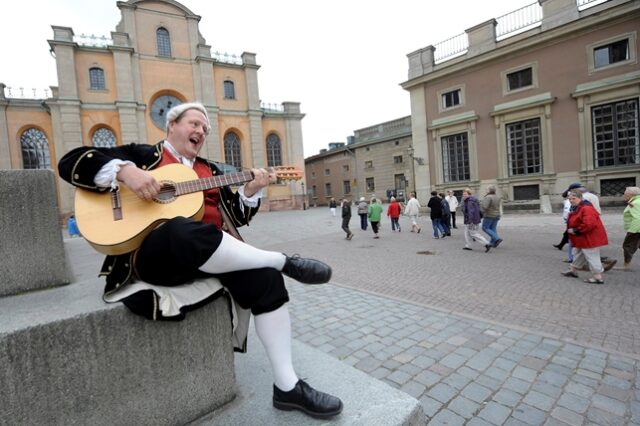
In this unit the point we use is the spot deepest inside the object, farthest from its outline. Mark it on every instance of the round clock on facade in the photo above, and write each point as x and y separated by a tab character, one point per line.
159	108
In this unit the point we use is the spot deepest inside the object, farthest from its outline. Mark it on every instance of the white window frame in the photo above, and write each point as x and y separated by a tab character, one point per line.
505	81
442	107
632	47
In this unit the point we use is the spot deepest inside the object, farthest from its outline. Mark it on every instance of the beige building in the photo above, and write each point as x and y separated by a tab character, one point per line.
376	160
117	90
531	102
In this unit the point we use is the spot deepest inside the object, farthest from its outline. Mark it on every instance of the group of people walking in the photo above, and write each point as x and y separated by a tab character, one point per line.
585	233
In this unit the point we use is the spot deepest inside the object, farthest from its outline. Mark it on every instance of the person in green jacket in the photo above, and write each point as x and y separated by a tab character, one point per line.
374	214
631	219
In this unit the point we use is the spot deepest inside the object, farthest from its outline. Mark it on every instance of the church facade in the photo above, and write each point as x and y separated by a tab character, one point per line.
117	90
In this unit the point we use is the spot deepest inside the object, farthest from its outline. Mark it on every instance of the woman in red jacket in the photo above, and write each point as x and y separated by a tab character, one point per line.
587	235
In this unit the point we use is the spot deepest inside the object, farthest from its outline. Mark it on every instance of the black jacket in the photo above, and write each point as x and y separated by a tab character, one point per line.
79	167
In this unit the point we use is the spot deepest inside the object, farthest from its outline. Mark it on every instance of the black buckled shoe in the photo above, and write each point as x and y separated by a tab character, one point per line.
308	400
308	271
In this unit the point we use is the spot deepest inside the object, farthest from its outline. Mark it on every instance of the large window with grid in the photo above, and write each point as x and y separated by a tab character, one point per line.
35	149
96	79
232	150
104	138
455	158
524	147
615	134
163	41
346	187
370	184
229	89
274	150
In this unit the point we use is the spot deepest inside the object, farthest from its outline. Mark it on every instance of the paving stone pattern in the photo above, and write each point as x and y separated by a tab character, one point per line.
479	339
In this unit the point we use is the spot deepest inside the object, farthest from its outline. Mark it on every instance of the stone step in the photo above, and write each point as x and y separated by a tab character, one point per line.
367	401
66	357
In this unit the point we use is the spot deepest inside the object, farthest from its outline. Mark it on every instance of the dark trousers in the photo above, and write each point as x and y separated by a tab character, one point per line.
172	254
374	226
395	223
345	225
630	245
363	221
453	219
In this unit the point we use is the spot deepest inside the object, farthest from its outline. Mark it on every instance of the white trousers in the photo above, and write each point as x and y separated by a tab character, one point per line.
471	232
591	256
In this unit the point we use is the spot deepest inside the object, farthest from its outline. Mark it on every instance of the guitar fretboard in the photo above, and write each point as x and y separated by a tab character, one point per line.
187	187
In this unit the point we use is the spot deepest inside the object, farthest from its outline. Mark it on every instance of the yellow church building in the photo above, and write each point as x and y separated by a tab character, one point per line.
117	90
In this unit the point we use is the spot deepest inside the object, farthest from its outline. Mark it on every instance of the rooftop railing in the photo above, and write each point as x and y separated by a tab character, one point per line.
26	93
92	40
267	107
508	25
519	21
227	58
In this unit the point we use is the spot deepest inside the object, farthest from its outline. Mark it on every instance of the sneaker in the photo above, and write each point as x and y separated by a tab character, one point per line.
304	398
487	248
467	248
497	243
349	237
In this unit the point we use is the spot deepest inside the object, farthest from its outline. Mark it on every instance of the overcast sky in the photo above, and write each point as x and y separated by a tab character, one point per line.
343	60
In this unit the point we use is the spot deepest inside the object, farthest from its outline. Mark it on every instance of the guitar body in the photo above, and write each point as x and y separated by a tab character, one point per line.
98	225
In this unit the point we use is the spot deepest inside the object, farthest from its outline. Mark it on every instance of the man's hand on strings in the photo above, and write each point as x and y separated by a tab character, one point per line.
261	178
139	181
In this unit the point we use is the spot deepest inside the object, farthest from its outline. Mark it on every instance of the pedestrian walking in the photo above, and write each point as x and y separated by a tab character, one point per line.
587	234
490	209
332	206
346	217
631	220
453	205
363	210
413	210
374	214
446	215
471	214
393	212
436	215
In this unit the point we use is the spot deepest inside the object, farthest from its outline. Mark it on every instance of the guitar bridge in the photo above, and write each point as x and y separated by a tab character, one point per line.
116	204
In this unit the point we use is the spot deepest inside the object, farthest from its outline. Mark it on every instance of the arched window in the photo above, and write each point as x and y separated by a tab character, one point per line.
164	42
35	149
232	150
96	79
229	90
104	138
274	151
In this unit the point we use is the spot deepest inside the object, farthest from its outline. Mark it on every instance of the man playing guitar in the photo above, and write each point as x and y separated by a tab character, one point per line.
172	256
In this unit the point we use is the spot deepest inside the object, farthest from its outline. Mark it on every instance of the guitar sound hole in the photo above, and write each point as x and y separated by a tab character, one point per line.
167	193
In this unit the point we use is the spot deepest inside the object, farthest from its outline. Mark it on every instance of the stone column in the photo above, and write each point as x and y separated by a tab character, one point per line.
557	12
126	102
421	62
482	38
255	112
419	123
5	152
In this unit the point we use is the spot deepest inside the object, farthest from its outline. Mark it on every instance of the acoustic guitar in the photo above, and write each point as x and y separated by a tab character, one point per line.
117	221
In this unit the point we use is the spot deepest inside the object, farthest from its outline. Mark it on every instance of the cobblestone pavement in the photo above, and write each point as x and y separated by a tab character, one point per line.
479	339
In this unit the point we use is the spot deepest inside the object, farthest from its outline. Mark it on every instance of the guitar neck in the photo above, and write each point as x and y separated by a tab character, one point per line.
187	187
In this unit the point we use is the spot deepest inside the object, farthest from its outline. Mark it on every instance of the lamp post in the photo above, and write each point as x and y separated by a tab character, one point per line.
304	197
410	151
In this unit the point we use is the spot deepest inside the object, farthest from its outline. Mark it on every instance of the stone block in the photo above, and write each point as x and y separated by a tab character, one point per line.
32	253
66	358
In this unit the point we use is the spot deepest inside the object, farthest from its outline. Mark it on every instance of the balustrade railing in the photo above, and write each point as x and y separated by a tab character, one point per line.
451	47
586	4
518	21
92	40
267	107
227	58
26	93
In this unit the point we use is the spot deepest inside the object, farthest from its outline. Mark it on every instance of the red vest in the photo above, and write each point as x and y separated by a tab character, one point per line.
211	196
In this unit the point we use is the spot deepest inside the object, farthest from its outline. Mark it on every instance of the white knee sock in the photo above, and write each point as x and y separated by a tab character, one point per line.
234	255
274	330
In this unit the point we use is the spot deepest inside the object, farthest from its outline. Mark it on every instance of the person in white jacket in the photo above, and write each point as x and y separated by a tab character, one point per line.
412	210
453	205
